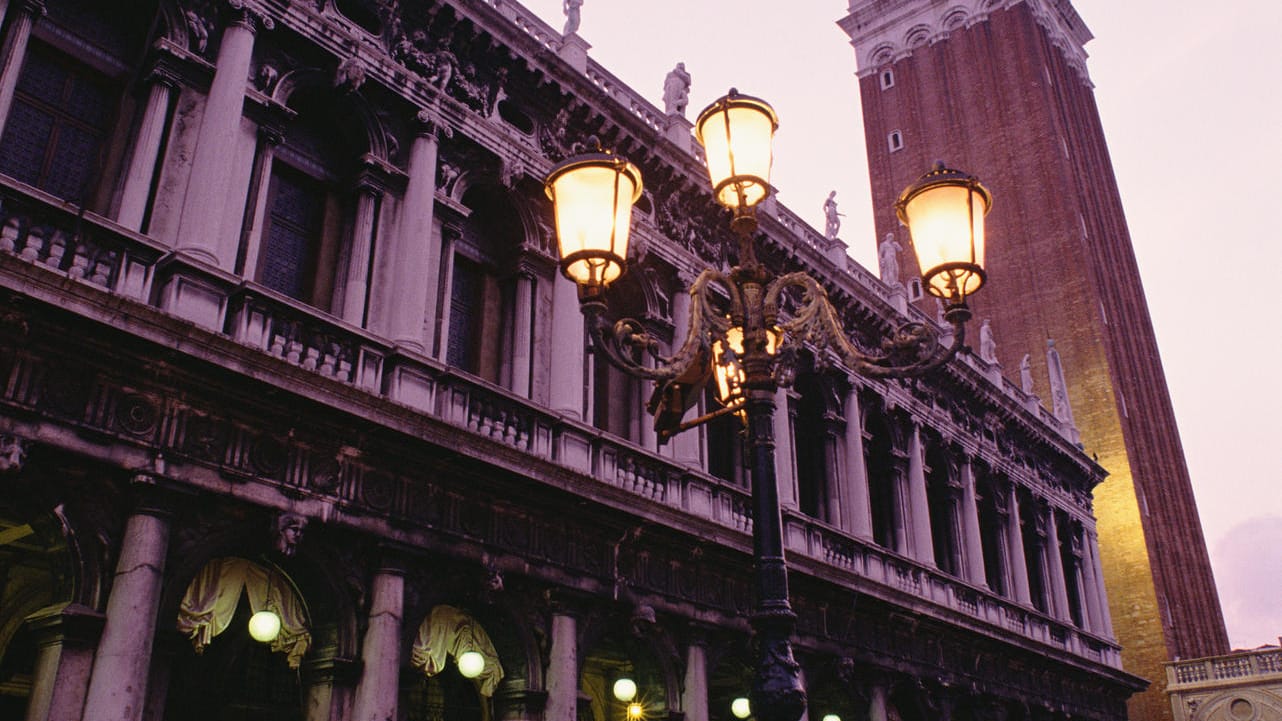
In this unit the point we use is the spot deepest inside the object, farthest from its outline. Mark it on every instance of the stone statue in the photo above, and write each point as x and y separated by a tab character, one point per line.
1026	375
1059	386
289	531
987	344
571	9
888	260
676	90
832	219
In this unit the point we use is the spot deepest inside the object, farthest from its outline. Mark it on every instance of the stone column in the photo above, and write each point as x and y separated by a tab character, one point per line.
568	354
205	202
1085	584
142	164
1097	570
522	336
685	446
877	703
416	264
118	682
972	542
1015	543
694	696
353	303
923	546
65	635
785	467
376	693
835	506
858	519
14	51
1055	568
563	669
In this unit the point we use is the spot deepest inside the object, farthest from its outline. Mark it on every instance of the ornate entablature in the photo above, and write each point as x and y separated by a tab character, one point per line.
884	32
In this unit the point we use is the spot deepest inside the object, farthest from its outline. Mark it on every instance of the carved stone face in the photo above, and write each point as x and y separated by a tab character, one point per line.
289	531
13	451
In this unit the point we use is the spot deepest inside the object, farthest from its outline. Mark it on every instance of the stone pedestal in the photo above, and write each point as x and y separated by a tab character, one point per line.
574	50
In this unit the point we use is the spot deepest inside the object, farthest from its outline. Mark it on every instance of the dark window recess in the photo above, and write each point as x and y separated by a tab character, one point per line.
514	117
297	216
887	79
363	13
55	133
466	303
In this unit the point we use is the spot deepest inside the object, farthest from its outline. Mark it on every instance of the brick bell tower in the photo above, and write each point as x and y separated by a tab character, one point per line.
999	88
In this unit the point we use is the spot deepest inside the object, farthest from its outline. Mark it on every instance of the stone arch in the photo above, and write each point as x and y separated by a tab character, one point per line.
364	129
955	17
881	55
917	36
612	645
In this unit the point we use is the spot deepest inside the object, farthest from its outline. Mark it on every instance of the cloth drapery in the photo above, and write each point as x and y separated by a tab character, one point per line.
211	600
448	631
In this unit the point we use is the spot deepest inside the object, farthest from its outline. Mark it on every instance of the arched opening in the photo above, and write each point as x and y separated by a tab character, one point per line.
621	654
458	669
225	674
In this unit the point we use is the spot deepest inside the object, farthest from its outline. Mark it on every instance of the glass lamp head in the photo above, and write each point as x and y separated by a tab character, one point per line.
737	132
264	626
944	211
470	664
592	196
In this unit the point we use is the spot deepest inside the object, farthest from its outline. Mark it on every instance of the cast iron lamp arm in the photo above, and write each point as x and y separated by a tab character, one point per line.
913	350
626	342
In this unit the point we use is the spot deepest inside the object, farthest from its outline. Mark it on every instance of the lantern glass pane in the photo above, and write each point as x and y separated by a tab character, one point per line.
942	224
594	213
737	144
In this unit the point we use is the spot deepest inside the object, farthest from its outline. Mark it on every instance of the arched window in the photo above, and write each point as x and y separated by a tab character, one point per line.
309	200
442	692
70	110
1034	536
883	483
941	496
992	532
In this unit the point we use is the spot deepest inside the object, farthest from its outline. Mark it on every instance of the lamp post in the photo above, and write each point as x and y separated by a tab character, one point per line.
742	339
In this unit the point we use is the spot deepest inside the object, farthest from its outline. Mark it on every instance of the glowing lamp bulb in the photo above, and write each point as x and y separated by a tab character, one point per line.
264	626
471	664
625	689
741	708
635	711
831	717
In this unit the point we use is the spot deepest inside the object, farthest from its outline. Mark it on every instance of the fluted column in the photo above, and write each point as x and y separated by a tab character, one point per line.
563	669
357	276
858	520
972	541
142	164
694	695
1055	568
522	335
566	379
785	466
685	446
376	693
416	265
14	51
1015	543
923	547
1097	570
118	682
213	164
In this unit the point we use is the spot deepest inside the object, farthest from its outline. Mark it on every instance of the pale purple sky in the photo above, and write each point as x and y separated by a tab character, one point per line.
1188	95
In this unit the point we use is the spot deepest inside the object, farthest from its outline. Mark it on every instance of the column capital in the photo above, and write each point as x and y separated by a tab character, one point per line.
34	8
249	16
66	623
428	123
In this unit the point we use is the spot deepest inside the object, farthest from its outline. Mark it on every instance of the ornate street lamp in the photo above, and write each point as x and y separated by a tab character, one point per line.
742	339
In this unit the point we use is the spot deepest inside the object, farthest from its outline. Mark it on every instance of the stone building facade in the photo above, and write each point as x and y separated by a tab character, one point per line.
1234	687
282	330
1002	87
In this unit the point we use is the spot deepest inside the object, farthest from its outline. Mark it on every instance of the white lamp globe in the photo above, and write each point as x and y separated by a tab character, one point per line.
625	689
741	708
264	626
831	717
471	664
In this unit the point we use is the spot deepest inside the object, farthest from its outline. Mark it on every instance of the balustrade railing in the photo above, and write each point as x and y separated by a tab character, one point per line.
1265	662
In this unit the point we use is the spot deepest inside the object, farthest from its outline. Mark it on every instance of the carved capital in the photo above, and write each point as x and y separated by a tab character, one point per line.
249	16
428	124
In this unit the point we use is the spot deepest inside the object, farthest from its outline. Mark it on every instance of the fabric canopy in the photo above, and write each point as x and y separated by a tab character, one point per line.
448	631
211	600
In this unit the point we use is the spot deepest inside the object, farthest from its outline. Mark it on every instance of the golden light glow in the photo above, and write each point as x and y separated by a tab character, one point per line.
736	133
625	689
741	708
727	364
470	664
635	711
592	197
264	626
944	212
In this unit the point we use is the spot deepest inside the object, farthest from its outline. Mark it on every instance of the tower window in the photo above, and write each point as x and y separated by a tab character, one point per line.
887	79
895	140
914	290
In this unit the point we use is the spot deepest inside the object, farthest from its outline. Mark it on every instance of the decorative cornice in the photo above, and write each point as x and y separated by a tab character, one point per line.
885	32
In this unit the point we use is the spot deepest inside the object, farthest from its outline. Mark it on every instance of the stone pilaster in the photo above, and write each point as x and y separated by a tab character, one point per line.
376	693
568	355
858	519
142	164
14	51
922	544
65	635
1015	544
415	269
972	542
